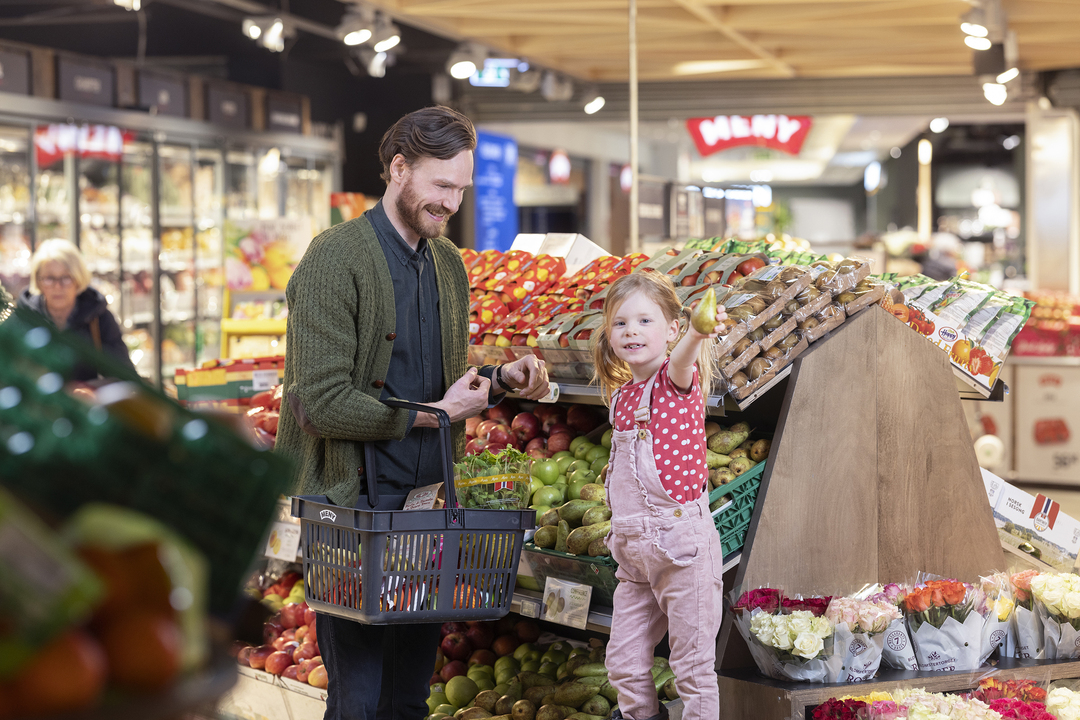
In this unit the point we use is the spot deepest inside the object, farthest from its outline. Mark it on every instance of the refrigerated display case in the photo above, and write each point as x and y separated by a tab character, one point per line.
15	209
149	211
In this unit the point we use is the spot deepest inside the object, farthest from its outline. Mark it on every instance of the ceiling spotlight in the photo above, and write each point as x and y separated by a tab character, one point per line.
895	153
939	125
926	152
356	26
465	61
996	93
973	23
1011	142
556	89
374	63
387	35
977	43
594	105
129	4
269	31
1010	74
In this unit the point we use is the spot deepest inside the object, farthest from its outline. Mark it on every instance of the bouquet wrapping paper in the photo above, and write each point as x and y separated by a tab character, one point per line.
953	646
898	651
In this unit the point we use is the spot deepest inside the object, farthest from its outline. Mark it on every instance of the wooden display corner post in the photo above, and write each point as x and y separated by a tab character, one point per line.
873	475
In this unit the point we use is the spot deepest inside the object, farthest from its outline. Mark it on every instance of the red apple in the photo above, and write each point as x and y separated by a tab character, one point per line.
470	426
543	411
556	417
525	426
290	634
257	658
480	636
560	428
317	677
272	630
304	667
582	419
301	633
501	435
482	657
483	430
494	448
452	627
537	443
277	662
559	442
290	672
527	631
475	446
456	646
453	669
538	453
290	647
505	625
504	411
312	633
436	678
505	645
234	649
309	616
279	643
243	657
304	651
292	614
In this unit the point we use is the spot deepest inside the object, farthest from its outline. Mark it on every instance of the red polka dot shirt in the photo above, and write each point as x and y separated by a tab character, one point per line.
677	423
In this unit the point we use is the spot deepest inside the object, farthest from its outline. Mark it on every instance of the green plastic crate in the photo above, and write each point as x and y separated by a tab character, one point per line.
597	572
188	471
733	522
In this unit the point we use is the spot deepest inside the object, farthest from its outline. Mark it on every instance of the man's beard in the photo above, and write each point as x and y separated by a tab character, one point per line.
416	217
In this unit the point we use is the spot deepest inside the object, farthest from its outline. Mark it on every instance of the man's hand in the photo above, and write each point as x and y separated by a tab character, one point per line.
465	399
528	376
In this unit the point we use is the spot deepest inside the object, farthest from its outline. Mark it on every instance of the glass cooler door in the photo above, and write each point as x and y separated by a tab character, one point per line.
209	257
177	259
14	209
138	305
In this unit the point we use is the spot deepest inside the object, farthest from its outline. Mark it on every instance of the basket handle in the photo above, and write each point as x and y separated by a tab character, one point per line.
444	449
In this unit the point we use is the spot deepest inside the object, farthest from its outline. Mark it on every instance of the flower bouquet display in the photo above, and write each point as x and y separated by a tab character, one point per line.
1057	597
998	633
918	704
1063	704
898	652
797	646
945	625
859	629
1026	625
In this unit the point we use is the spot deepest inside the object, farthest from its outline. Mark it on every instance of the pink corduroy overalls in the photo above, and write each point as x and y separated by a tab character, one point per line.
670	566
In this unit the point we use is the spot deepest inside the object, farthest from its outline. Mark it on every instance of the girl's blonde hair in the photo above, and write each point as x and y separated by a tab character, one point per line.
610	372
65	253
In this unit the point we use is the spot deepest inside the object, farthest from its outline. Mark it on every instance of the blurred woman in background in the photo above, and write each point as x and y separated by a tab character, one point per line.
60	290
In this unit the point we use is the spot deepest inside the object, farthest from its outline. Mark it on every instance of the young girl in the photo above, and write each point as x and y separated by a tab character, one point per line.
662	534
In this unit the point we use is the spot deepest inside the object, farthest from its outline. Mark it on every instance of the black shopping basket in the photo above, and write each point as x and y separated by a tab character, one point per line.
383	567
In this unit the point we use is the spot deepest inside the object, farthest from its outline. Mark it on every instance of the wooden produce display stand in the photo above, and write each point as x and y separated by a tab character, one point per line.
872	477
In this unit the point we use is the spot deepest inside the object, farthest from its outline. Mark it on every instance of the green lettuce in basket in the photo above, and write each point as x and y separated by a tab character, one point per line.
493	482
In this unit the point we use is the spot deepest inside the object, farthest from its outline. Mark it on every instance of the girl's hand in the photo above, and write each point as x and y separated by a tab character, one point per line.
721	316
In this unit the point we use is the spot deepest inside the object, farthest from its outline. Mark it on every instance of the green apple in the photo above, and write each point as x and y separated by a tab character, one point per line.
606	439
539	510
597	451
564	463
577	442
575	489
547	470
582	476
548	495
548	669
435	700
534	485
562	454
583	450
577	465
522	649
598	465
564	491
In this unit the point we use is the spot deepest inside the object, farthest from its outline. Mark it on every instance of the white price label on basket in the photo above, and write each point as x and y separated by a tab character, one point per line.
263	380
566	603
284	541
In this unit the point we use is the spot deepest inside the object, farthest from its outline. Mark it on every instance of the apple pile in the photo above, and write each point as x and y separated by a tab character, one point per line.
519	679
290	646
263	414
540	433
564	476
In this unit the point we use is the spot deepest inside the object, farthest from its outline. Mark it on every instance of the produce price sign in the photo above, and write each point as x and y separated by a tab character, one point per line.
1036	520
566	603
283	542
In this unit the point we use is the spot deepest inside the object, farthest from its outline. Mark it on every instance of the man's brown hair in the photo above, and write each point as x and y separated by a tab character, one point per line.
435	132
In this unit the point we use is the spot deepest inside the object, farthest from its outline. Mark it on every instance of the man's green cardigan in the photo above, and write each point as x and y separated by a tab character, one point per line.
339	341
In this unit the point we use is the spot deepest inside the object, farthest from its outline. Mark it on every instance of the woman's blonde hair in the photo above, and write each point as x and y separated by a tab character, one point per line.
610	372
66	254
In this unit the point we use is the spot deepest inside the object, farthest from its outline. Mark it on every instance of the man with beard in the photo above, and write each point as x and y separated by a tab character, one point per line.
379	308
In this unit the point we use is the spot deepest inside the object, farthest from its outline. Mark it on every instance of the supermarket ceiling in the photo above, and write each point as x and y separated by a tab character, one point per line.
701	39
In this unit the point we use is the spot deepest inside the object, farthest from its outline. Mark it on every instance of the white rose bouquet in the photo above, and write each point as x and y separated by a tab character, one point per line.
1063	704
859	634
1057	599
796	646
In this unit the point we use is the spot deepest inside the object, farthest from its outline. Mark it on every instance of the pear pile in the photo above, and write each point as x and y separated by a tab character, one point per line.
731	452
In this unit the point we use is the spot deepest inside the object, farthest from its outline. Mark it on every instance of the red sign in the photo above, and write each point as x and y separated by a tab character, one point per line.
52	142
779	132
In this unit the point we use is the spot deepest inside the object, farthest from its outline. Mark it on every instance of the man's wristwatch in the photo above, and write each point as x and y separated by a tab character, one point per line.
499	378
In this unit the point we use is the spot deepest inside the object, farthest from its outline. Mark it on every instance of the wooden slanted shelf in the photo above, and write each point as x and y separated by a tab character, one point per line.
872	477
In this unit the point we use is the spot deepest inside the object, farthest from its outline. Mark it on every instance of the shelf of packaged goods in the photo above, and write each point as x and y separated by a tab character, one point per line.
234	326
527	603
971	390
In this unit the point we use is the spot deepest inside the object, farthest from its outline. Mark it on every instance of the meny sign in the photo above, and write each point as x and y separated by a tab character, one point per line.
780	132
